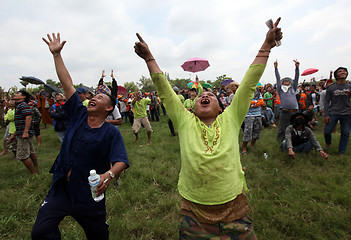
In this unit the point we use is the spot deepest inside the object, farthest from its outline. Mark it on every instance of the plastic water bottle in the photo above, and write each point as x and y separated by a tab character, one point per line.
94	180
265	156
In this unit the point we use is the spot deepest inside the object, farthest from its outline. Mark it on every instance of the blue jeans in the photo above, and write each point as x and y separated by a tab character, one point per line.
345	124
125	115
304	147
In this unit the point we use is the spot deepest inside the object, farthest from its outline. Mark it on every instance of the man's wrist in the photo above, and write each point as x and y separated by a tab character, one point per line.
266	46
148	57
112	175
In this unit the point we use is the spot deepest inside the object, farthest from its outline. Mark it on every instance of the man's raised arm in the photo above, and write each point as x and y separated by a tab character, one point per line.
55	46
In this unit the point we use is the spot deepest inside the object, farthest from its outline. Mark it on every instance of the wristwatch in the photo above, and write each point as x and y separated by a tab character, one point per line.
111	174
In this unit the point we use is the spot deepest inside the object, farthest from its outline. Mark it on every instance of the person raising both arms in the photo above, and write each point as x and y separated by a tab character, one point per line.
211	180
89	143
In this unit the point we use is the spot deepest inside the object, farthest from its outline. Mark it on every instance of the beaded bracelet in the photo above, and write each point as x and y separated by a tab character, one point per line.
151	59
262	50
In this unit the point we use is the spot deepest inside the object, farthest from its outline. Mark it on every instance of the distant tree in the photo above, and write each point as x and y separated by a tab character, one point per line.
13	90
53	83
146	84
180	83
131	86
24	83
219	80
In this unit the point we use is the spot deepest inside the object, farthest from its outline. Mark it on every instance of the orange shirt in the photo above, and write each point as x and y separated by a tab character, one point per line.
276	99
302	100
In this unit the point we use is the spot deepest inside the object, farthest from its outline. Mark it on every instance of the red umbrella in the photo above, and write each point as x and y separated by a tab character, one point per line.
195	65
122	91
309	71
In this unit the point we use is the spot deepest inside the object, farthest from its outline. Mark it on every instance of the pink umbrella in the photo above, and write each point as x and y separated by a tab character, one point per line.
309	71
195	65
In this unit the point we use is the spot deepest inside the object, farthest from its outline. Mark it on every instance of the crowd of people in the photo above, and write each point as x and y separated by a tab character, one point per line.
211	179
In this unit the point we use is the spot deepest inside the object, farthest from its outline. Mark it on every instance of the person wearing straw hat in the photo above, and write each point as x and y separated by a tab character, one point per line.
286	88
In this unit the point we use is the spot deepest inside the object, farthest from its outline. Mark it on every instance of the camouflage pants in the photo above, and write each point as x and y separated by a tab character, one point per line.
253	127
11	146
242	228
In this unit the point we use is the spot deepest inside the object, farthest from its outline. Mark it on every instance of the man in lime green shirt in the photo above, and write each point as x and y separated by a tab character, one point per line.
140	116
211	180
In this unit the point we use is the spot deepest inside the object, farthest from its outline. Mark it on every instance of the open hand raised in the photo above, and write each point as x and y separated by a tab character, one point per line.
54	43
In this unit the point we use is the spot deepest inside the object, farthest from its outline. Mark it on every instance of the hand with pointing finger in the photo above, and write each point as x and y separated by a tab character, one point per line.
297	64
142	49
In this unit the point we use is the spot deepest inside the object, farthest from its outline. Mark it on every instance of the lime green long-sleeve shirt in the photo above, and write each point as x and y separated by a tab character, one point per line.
211	172
10	117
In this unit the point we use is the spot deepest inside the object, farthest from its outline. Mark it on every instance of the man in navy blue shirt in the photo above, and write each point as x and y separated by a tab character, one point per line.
89	143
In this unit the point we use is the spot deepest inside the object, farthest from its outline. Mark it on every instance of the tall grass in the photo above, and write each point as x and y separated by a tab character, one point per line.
302	198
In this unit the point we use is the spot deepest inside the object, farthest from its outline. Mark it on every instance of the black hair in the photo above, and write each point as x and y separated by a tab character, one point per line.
338	70
112	101
26	94
299	121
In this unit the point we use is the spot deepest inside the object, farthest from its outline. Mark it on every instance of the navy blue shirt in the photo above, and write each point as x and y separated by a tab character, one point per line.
85	148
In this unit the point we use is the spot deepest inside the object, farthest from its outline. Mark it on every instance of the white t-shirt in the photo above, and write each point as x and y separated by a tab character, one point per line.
114	115
122	106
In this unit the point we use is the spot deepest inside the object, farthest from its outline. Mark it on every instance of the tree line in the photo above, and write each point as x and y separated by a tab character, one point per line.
144	84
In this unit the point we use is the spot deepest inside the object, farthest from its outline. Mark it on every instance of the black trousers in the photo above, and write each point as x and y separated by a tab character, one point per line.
57	206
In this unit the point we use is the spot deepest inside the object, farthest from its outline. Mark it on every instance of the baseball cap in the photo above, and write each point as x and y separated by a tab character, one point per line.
81	90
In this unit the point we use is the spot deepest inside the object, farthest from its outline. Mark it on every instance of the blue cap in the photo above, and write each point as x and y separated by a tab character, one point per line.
81	90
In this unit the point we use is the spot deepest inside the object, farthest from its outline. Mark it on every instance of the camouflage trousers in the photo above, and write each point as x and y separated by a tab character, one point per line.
242	228
11	146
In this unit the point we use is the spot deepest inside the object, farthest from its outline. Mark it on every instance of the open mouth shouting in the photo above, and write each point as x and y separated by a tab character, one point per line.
205	101
92	103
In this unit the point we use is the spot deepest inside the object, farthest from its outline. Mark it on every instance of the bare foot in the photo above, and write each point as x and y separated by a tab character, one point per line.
144	145
3	153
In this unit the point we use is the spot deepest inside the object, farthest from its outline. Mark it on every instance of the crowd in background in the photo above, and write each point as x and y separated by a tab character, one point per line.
265	106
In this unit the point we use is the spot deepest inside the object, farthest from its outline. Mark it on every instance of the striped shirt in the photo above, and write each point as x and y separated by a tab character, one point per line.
22	111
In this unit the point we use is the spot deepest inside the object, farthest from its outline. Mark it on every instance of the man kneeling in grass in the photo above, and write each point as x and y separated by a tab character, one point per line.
299	137
211	180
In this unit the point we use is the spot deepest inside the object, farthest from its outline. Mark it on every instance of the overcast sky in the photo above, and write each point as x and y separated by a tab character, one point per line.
101	35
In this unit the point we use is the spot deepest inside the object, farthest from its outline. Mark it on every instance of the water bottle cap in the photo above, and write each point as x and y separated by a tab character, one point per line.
92	172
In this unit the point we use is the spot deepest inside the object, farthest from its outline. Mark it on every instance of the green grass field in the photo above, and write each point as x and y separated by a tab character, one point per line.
302	198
